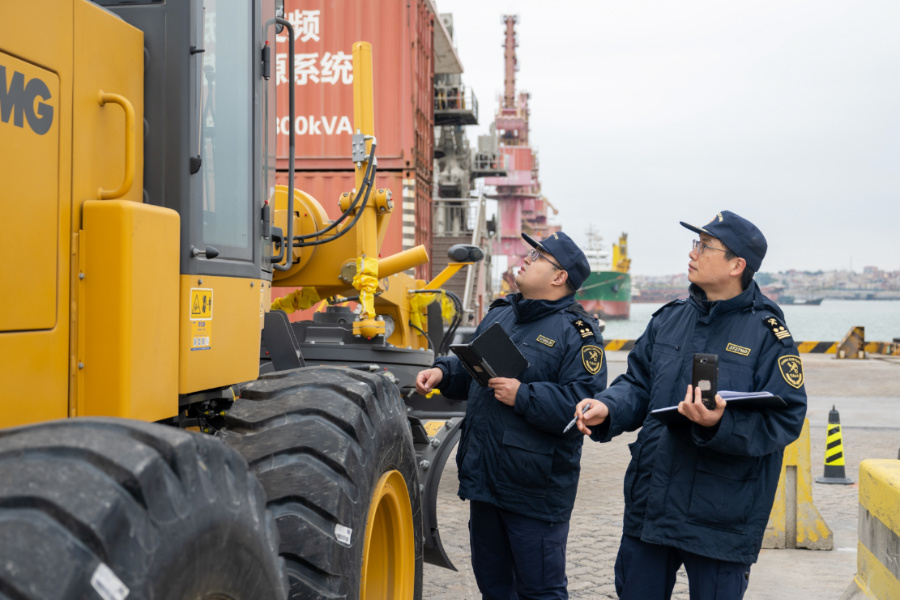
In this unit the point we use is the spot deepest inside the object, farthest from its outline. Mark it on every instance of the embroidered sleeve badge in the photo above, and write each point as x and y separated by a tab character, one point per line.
592	357
792	370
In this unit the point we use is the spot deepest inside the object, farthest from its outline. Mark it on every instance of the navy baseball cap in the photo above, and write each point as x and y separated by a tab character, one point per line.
567	254
740	236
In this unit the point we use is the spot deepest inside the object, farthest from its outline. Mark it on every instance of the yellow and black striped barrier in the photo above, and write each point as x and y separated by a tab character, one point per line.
817	347
854	344
885	348
805	347
877	567
613	345
888	348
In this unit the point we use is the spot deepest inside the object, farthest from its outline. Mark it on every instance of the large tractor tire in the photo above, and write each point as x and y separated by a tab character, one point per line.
334	452
109	508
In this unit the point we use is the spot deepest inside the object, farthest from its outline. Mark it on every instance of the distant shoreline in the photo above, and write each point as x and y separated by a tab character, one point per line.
657	295
638	300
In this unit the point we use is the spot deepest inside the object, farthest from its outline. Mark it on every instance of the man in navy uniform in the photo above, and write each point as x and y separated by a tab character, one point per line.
516	465
700	493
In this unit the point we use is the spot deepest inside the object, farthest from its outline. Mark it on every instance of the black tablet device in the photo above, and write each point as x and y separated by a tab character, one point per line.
491	354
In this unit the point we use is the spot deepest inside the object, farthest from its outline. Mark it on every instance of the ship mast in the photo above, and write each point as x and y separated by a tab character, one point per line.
509	56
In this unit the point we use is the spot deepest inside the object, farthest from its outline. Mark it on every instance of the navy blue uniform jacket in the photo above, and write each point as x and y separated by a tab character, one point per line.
517	458
707	491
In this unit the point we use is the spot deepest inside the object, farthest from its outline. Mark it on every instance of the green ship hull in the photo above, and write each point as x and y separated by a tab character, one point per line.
606	294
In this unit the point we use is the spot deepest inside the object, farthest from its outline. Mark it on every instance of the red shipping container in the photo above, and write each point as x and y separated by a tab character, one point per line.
401	33
421	224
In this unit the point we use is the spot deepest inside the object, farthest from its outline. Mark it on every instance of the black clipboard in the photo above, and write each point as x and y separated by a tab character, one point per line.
748	401
491	354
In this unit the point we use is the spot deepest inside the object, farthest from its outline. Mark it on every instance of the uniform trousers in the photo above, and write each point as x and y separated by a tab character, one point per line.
516	557
647	572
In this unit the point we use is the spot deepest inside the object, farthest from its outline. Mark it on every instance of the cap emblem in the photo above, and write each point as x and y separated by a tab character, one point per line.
718	217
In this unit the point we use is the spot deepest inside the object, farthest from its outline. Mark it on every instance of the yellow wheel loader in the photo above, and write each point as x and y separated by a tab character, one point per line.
165	433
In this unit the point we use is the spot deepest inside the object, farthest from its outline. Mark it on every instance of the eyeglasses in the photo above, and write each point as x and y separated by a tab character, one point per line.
698	245
534	254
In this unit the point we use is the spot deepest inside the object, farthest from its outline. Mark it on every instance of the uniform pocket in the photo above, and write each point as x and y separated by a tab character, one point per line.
723	491
462	446
543	362
637	477
736	375
526	461
666	368
554	563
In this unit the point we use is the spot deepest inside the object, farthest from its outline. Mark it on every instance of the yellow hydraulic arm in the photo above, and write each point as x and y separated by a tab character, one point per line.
345	261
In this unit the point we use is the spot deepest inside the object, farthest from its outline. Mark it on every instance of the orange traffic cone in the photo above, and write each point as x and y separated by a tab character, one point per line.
834	452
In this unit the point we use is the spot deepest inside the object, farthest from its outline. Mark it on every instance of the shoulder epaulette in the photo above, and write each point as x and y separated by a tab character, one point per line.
498	302
578	309
584	324
778	329
583	327
668	304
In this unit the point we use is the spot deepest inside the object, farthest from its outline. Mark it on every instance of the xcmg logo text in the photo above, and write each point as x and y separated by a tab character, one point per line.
18	100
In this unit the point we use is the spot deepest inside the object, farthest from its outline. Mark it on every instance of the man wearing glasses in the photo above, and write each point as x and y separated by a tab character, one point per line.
699	493
517	466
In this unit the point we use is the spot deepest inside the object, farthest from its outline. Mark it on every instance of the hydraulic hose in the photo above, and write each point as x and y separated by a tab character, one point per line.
368	185
350	208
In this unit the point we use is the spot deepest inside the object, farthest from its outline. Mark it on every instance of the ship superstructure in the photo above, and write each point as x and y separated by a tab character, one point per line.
522	206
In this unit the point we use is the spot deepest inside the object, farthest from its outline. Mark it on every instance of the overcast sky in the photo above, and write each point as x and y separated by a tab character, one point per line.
646	113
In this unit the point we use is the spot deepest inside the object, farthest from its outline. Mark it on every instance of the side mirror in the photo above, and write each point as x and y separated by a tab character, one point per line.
210	253
465	253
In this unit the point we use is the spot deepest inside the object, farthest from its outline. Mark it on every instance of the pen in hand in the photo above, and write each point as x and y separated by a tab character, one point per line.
572	422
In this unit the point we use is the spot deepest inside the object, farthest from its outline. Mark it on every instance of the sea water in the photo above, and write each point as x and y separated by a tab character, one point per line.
827	322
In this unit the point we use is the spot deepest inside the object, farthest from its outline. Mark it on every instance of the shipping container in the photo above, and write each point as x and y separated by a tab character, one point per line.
403	55
402	36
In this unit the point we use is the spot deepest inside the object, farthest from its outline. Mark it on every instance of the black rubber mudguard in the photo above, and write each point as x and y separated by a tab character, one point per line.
433	448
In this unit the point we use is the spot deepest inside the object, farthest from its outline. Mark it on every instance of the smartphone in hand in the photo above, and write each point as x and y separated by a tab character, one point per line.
705	378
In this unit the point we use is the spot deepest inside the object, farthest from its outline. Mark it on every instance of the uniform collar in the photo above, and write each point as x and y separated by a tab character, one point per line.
528	310
710	309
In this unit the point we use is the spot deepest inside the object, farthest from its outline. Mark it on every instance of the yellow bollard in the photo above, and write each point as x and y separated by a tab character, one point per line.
877	568
794	521
853	345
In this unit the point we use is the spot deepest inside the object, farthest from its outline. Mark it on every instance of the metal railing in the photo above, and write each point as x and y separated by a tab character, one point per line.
486	162
454	98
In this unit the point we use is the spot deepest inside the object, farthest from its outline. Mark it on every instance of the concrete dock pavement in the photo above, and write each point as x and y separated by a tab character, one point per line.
865	392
